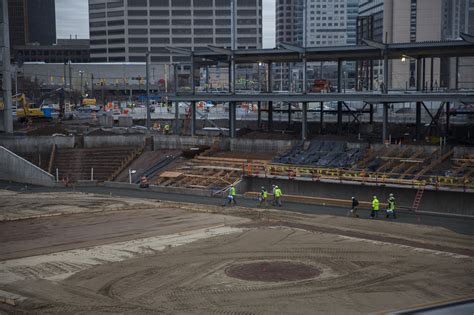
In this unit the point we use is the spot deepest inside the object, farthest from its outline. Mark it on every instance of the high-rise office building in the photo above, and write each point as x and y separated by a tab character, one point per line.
31	22
289	22
123	30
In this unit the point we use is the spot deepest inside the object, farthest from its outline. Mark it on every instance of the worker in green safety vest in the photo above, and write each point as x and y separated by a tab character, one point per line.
231	196
278	195
375	208
262	199
391	207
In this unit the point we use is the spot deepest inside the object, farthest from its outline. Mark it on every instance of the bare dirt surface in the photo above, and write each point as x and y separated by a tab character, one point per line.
178	258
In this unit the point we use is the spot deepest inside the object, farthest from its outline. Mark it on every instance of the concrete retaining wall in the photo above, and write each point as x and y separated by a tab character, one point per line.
184	142
29	144
427	148
16	169
433	201
261	145
460	152
135	140
173	190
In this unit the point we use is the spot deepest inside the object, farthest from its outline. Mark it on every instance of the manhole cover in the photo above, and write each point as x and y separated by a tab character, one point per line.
273	271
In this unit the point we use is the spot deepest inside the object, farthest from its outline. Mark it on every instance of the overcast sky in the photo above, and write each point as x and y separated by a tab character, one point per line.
72	19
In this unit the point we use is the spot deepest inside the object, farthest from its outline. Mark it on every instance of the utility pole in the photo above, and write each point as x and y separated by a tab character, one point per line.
148	113
92	85
81	73
70	75
6	73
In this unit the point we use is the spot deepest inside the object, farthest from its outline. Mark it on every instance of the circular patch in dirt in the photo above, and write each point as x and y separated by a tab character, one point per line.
272	271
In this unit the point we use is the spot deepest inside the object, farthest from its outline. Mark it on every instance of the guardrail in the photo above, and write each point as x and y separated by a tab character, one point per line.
274	170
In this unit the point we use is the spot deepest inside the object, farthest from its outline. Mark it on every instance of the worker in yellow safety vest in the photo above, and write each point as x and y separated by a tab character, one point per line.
391	207
166	129
278	195
262	199
231	196
375	208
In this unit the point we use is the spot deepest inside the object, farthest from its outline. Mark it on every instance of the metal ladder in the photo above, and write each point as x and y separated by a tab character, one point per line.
418	196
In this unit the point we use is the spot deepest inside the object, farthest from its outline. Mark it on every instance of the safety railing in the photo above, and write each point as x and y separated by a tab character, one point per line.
273	170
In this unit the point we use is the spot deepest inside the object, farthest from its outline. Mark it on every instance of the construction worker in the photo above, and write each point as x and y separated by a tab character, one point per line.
273	195
375	208
262	199
231	195
391	207
167	129
353	211
278	195
144	182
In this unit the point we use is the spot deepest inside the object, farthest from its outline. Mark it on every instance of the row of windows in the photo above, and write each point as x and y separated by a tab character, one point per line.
176	40
208	22
196	3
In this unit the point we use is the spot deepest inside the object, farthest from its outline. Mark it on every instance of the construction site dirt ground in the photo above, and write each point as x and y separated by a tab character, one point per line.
82	253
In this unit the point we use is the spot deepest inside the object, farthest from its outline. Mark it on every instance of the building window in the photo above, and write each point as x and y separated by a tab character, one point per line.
137	3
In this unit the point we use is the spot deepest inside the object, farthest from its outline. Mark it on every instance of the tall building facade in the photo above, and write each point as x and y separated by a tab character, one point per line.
31	22
314	23
458	17
123	30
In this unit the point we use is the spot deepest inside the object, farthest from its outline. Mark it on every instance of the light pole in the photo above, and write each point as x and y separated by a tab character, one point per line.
148	113
81	73
130	172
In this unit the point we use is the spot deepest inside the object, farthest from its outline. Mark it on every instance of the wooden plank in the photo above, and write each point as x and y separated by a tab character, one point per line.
171	174
434	163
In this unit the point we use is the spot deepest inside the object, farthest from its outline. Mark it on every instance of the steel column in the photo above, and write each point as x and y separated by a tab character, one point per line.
418	121
431	74
232	114
270	116
448	108
371	114
321	117
385	122
457	74
259	114
289	115
176	118
304	74
304	122
339	90
193	118
147	73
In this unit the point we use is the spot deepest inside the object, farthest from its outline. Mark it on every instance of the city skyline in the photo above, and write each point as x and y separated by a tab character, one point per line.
72	18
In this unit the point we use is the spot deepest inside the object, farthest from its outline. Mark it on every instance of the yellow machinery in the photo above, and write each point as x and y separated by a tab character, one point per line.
25	111
89	101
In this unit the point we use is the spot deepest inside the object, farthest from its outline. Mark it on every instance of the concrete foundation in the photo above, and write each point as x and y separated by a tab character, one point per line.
133	140
16	169
28	144
125	121
106	121
433	201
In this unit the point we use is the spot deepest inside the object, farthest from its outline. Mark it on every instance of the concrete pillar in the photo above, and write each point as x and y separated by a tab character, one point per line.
339	90
193	118
269	90
6	72
232	120
304	122
385	74
431	74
